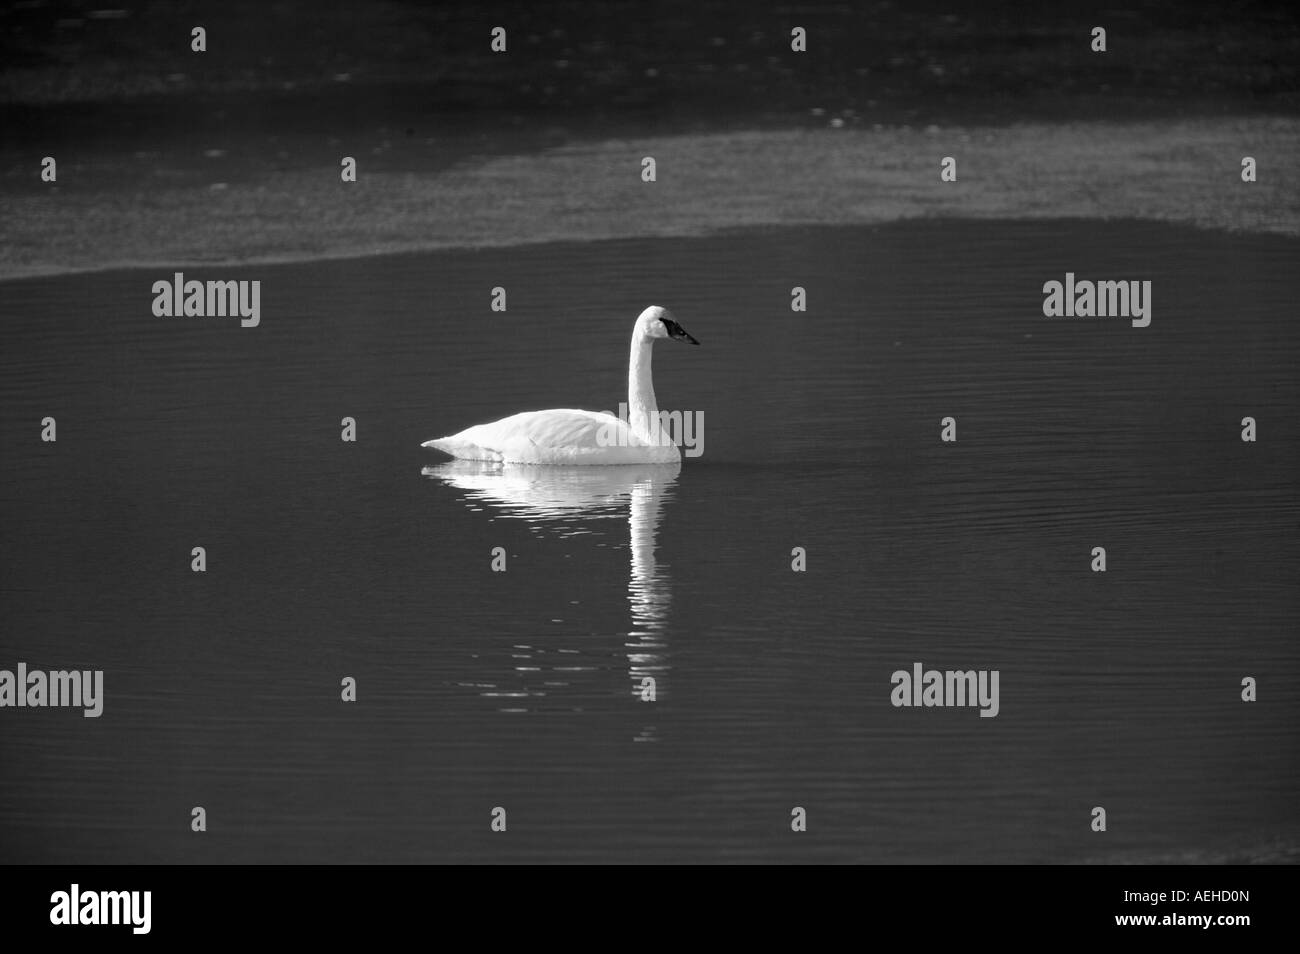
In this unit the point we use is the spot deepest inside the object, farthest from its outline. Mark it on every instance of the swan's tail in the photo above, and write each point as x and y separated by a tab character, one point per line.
456	446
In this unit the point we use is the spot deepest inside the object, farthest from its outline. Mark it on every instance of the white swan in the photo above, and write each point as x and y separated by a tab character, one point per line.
568	437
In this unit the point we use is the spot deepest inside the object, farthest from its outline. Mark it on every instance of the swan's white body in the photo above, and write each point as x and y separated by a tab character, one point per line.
560	437
568	437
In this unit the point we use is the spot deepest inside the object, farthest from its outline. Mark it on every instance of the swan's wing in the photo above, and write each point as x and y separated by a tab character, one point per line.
554	437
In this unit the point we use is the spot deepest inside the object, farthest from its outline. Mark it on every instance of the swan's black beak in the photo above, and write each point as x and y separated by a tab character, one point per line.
677	331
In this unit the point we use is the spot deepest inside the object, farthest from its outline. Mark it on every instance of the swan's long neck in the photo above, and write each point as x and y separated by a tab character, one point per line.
642	410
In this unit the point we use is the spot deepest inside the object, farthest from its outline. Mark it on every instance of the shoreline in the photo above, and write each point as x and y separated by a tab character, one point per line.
1180	172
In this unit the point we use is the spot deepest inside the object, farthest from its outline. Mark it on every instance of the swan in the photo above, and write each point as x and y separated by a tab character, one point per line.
568	437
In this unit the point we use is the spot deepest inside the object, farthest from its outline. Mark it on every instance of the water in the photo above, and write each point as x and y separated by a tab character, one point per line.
479	689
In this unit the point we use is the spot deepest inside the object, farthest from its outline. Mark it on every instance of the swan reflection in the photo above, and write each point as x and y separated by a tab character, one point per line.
572	501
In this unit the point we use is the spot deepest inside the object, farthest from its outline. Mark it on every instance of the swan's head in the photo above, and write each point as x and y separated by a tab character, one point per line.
658	322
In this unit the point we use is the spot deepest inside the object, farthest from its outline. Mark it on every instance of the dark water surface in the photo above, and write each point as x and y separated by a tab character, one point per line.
479	689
